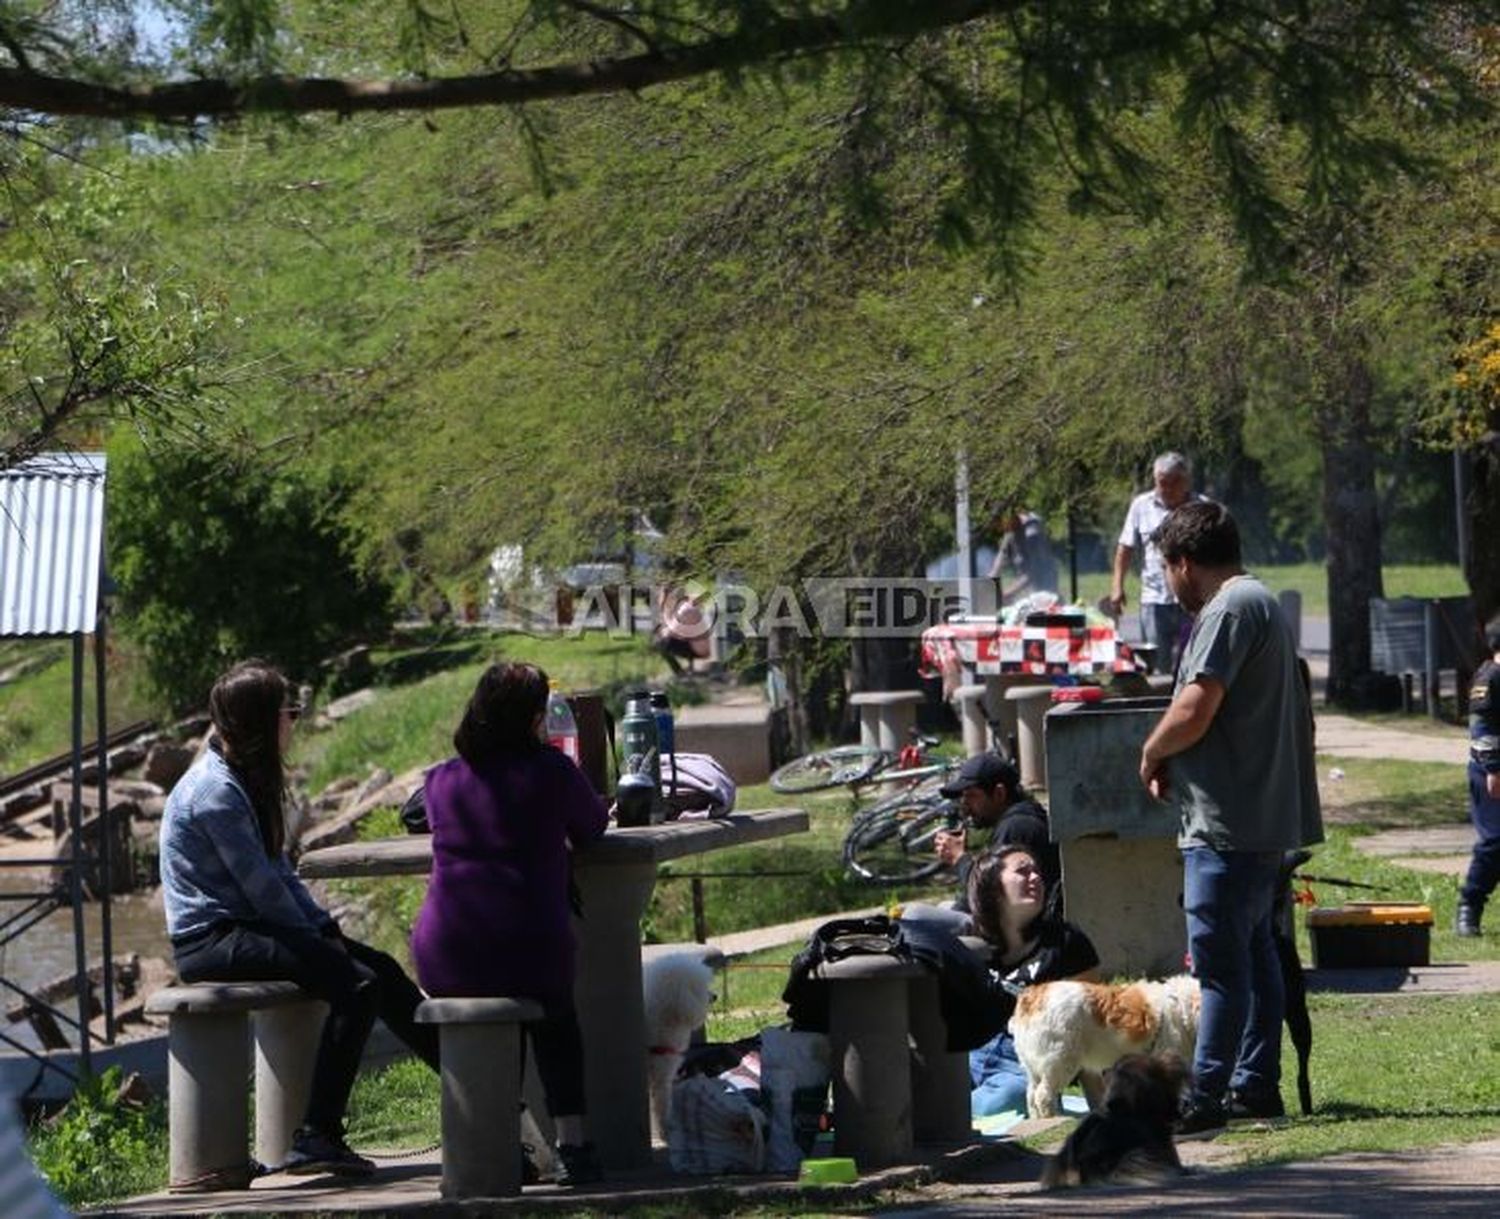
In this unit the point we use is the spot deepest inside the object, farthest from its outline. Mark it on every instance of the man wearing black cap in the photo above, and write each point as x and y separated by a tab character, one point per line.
990	795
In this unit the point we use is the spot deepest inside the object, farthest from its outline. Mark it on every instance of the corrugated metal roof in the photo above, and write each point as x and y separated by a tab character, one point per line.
51	543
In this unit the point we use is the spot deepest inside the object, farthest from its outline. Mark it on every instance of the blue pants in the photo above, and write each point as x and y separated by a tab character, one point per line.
1162	627
1484	864
997	1078
1230	898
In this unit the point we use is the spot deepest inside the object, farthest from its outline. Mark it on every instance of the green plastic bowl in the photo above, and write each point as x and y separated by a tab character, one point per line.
836	1170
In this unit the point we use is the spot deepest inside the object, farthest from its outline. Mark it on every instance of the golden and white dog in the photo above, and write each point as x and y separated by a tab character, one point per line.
678	991
1062	1029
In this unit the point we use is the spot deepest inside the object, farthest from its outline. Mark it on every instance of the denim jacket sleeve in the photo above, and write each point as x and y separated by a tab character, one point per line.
269	887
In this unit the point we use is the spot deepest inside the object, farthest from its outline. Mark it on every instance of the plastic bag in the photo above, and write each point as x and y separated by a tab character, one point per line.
794	1074
713	1127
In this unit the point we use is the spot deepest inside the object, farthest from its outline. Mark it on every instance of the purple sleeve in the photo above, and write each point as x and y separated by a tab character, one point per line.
585	816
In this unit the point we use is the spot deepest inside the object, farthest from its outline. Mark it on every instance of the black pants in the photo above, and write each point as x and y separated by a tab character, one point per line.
557	1044
357	982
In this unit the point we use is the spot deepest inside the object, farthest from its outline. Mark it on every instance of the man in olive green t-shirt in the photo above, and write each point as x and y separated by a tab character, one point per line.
1234	750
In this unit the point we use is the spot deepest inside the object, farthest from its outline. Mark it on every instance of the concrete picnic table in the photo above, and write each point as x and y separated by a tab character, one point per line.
615	878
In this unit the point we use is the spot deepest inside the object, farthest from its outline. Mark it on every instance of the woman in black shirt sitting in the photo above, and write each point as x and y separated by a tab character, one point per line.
1008	898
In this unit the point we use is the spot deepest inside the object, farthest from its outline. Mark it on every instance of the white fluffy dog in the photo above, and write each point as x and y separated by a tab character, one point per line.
1062	1029
678	991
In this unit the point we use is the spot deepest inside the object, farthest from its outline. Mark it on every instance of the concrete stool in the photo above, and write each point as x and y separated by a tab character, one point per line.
940	1105
1031	703
208	1068
886	717
868	1033
481	1053
973	716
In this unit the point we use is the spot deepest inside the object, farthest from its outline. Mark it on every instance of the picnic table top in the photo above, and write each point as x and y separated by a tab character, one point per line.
411	854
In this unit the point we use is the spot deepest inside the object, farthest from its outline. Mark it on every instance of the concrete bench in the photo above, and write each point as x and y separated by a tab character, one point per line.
883	1012
481	1080
737	735
1031	703
886	717
208	1069
973	716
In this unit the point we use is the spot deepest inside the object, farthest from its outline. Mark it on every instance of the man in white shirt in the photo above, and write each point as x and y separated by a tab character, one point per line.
1161	616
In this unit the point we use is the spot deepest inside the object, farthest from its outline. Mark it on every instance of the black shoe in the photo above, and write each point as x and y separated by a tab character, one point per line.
1247	1104
1201	1119
578	1164
315	1153
1467	922
530	1173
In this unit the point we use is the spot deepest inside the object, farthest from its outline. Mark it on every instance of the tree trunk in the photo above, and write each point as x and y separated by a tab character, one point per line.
1352	521
1483	507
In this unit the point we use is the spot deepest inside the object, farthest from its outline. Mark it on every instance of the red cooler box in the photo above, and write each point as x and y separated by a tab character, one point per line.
1360	935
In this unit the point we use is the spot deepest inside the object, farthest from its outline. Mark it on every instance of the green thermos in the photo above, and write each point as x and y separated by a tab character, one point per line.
640	745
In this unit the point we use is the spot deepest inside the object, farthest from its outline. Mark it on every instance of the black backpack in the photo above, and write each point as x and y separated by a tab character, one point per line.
974	1006
805	996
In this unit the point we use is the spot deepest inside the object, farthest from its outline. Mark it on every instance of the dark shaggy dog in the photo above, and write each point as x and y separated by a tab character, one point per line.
1129	1142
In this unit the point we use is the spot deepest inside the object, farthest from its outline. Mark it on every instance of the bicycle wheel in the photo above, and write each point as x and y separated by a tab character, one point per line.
828	768
895	846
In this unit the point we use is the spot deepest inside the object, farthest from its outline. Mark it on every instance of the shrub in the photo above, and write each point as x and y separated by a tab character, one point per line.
221	555
101	1148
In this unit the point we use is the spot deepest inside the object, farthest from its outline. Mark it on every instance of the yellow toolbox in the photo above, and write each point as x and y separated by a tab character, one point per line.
1359	935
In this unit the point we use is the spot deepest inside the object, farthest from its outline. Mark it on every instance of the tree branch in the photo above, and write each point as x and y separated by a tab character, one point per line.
860	23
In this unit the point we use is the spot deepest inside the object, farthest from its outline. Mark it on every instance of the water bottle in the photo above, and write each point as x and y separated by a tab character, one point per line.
666	732
640	744
562	729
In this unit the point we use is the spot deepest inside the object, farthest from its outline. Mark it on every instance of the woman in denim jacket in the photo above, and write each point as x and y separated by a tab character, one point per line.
236	911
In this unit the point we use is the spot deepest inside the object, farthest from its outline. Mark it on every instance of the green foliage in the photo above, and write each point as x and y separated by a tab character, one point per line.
220	556
35	704
397	1108
99	1148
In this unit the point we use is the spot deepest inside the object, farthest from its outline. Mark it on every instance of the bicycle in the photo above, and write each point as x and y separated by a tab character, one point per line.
857	765
892	843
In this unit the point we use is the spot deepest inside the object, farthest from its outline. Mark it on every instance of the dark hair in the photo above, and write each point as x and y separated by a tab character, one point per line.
985	893
502	712
1492	634
245	705
1202	531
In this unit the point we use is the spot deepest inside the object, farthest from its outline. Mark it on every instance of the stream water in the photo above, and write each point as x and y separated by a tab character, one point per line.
44	952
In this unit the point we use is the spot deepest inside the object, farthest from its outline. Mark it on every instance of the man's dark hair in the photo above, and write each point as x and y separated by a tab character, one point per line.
1202	531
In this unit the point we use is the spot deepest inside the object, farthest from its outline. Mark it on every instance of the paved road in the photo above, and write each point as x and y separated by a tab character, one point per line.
1458	1180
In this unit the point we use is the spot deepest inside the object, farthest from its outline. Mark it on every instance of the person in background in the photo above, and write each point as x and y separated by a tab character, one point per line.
1484	787
682	631
1028	944
1027	551
236	911
1161	615
504	816
1234	749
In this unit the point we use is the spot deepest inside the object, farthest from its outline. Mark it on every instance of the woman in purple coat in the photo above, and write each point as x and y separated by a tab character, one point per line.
504	816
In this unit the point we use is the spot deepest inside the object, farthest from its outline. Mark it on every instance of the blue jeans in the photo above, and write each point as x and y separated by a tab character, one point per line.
1162	626
1229	898
997	1078
1484	864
